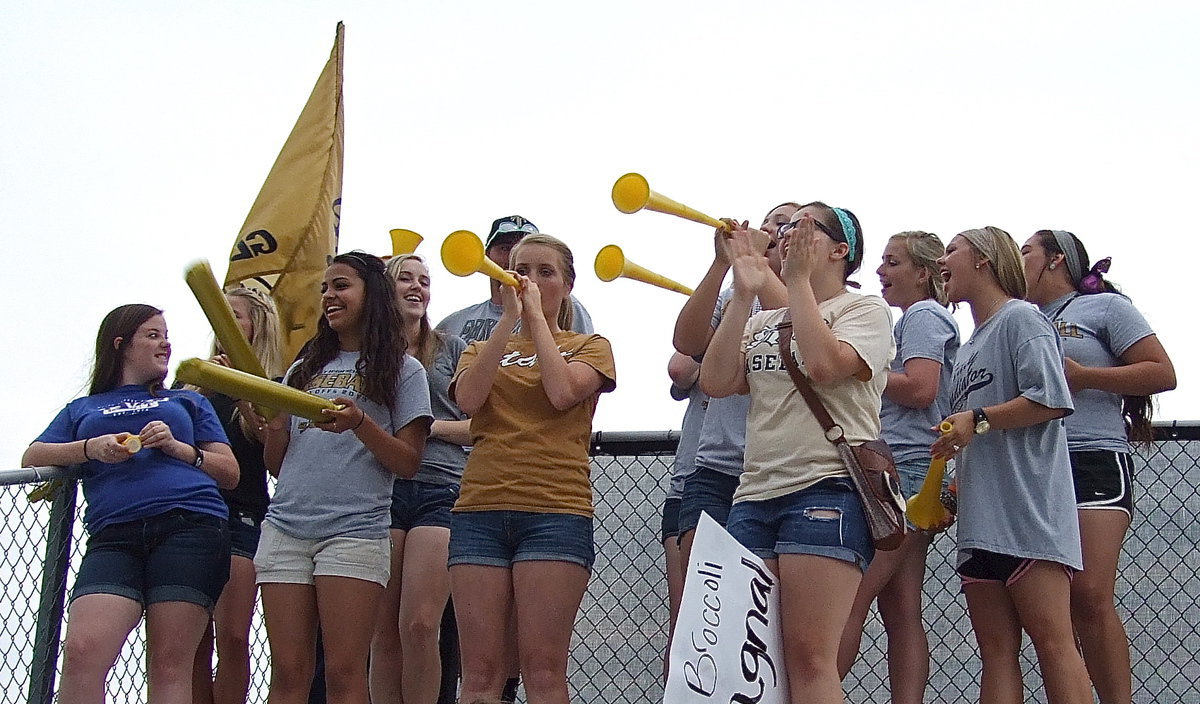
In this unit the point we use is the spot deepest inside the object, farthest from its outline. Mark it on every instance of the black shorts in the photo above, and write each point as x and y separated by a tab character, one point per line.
1103	480
984	566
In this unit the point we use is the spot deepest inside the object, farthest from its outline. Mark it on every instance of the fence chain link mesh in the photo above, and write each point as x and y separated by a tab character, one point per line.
620	635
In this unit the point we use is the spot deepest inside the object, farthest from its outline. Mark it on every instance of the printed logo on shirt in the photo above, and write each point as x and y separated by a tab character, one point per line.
478	329
765	361
1066	329
973	380
342	381
514	359
125	408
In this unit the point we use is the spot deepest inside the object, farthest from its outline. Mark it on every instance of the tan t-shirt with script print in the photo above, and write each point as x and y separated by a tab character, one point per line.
527	455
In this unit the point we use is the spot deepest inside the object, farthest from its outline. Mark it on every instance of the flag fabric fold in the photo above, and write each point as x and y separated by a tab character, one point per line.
291	232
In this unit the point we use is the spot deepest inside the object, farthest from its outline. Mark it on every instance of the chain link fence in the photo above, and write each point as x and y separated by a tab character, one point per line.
621	630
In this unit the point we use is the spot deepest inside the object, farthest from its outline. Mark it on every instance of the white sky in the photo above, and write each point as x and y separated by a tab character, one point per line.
137	134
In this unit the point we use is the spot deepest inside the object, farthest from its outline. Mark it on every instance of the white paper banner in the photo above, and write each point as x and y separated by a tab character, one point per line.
728	647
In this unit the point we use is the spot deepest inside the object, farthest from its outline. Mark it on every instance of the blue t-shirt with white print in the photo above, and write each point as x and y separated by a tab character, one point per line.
151	482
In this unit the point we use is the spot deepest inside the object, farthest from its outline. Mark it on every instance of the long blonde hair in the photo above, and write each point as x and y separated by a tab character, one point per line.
428	340
924	249
264	341
566	311
1003	257
264	324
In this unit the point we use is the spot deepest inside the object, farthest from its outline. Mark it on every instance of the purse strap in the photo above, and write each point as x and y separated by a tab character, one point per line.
833	431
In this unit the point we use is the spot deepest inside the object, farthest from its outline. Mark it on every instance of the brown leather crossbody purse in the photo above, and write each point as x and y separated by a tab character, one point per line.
872	469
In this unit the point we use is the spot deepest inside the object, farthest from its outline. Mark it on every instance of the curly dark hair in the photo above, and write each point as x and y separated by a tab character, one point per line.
383	341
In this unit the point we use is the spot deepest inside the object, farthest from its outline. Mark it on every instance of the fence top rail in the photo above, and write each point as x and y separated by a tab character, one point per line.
28	475
604	443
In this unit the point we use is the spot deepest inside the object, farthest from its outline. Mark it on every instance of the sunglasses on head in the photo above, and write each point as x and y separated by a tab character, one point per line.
788	227
505	228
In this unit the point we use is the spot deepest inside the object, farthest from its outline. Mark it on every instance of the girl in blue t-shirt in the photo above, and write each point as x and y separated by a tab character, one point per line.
917	397
1114	363
152	460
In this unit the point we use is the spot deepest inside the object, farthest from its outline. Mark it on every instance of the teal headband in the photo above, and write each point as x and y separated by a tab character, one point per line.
848	230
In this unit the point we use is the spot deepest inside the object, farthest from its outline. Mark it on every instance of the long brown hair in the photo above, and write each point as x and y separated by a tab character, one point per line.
123	322
383	342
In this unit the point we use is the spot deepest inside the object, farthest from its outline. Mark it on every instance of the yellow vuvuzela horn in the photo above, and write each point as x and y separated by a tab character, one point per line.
259	391
404	241
463	255
632	193
925	510
612	264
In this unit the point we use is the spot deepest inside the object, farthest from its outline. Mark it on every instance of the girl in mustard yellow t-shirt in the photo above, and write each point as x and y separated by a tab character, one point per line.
521	531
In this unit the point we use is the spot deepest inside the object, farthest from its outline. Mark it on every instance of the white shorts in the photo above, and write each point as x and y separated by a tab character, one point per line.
282	559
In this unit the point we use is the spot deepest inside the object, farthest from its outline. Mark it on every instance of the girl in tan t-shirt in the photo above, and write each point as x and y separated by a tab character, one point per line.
800	514
521	532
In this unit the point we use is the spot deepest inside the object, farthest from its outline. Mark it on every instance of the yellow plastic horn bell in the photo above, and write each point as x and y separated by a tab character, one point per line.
611	264
463	255
404	241
632	193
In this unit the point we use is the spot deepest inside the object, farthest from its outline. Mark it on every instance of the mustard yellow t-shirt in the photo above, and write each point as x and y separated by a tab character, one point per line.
527	455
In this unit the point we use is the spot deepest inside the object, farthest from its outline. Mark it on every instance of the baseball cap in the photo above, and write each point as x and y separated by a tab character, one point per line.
511	225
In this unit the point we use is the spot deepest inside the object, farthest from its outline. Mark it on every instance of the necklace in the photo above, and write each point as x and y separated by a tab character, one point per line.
992	311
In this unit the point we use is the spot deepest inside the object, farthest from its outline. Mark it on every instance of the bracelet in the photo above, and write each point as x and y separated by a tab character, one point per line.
85	454
361	418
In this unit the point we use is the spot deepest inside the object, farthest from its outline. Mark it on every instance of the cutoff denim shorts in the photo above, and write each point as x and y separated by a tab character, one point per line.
500	538
796	524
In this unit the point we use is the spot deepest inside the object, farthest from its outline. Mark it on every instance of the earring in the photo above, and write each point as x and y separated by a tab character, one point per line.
1052	267
978	265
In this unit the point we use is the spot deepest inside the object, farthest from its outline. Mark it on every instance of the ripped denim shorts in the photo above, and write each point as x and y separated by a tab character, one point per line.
826	519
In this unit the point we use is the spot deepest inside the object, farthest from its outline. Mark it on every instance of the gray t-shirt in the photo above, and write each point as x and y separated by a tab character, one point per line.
1015	494
478	321
1096	330
689	436
722	445
443	461
330	484
925	331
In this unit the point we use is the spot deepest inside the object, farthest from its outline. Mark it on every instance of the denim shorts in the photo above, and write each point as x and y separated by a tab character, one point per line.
912	475
420	504
796	524
500	538
709	491
670	519
284	559
174	556
244	531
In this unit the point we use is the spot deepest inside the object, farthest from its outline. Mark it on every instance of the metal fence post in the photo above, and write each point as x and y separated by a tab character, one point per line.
47	635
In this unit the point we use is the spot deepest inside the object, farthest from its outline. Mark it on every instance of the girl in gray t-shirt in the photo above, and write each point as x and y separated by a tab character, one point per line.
324	556
916	398
1114	363
1018	537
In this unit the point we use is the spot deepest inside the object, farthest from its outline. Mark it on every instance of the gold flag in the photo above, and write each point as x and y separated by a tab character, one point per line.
291	232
